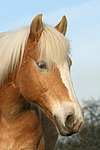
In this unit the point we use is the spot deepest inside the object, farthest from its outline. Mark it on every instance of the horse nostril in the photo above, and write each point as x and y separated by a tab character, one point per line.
69	121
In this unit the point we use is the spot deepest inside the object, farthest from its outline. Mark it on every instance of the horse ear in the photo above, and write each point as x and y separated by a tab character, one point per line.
36	27
62	26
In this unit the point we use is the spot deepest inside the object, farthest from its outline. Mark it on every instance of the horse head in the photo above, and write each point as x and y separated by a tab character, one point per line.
44	75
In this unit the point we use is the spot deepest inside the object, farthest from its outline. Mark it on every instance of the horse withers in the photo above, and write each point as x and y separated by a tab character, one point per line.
35	68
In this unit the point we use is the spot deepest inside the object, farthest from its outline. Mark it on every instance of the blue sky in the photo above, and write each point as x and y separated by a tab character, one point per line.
83	32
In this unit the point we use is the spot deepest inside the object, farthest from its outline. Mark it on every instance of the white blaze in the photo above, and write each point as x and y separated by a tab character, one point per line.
66	79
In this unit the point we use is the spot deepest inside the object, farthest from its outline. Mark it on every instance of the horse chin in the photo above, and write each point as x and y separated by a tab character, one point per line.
62	129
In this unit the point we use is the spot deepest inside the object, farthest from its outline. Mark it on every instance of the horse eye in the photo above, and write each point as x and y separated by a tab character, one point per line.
42	65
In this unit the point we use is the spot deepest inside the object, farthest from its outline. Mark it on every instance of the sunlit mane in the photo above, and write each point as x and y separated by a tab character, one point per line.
12	45
52	45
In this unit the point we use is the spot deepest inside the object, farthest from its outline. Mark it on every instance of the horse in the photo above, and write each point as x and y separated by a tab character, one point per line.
35	83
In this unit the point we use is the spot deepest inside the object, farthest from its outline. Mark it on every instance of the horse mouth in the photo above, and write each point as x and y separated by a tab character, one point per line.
62	129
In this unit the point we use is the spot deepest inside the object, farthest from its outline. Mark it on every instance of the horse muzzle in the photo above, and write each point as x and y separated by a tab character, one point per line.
71	126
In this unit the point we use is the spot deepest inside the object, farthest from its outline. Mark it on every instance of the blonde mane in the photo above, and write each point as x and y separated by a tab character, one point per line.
12	44
52	45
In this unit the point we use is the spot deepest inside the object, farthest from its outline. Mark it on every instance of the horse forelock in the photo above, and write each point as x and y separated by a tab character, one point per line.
53	46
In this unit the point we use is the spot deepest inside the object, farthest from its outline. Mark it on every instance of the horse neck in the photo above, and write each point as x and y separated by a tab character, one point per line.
11	102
